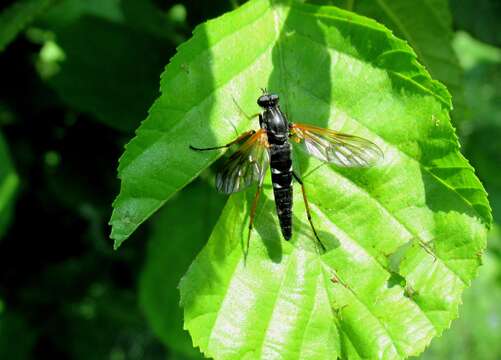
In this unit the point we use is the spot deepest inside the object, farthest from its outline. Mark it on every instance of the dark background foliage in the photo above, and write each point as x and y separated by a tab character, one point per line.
73	87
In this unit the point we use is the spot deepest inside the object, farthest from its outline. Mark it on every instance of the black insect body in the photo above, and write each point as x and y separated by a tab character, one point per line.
270	146
276	126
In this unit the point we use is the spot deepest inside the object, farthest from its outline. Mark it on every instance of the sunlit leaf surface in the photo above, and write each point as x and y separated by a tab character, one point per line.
404	238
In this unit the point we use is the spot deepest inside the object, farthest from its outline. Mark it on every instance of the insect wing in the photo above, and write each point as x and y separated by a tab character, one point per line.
247	165
335	147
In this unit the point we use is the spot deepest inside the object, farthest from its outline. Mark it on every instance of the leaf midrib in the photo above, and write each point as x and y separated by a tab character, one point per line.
335	316
274	306
310	312
218	312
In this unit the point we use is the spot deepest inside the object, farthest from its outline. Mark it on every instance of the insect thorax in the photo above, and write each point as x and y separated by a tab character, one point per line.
276	125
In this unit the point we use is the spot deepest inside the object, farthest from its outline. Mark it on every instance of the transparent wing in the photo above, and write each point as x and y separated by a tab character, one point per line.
335	147
246	166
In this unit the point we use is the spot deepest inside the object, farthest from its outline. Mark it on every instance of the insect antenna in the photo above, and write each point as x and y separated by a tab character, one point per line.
248	117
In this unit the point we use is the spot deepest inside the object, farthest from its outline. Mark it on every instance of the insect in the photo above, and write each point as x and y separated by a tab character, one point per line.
270	146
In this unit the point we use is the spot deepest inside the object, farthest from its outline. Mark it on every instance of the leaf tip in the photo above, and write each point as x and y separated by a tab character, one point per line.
116	235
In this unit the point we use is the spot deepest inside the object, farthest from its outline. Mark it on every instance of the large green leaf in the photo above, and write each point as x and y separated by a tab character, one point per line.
16	17
404	238
112	57
9	183
427	26
180	231
110	70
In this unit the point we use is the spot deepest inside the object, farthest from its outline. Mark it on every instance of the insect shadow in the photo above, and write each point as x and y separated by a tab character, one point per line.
269	234
329	240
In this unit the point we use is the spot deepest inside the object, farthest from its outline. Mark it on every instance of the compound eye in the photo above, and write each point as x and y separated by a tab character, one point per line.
263	100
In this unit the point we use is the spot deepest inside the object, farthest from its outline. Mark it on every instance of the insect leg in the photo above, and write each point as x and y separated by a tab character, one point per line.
253	213
242	111
307	206
242	137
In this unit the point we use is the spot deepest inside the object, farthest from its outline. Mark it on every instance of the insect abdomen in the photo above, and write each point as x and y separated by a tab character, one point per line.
281	177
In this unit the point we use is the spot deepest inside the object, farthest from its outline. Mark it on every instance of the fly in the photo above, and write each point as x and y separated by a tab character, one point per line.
270	146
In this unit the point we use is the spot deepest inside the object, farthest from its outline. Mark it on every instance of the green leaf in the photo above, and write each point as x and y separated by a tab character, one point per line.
111	57
427	27
67	12
141	15
9	183
16	17
110	70
179	232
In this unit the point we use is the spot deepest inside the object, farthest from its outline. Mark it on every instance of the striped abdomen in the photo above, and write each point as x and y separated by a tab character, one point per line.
281	177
